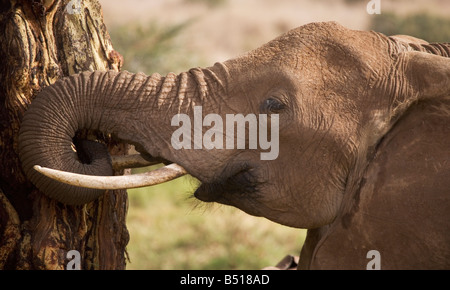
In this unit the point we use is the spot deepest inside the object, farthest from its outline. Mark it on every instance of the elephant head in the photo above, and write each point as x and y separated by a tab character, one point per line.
332	92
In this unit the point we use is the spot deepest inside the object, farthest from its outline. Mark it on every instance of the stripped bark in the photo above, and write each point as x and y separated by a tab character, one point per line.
42	41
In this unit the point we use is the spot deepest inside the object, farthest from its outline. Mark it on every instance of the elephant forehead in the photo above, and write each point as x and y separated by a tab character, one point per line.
327	47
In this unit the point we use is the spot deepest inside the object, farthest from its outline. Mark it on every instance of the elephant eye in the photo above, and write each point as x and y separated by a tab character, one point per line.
272	105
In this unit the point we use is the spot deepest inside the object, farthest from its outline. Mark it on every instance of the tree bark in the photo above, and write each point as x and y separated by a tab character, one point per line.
42	41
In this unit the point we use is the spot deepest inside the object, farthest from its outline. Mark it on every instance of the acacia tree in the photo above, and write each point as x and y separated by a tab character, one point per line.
42	41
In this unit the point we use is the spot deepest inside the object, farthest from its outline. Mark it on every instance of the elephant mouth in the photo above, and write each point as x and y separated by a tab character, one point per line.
234	182
241	183
237	182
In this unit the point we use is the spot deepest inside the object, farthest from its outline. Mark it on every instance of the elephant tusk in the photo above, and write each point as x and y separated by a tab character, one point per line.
154	177
120	162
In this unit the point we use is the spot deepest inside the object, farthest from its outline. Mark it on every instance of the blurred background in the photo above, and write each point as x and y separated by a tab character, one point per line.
168	228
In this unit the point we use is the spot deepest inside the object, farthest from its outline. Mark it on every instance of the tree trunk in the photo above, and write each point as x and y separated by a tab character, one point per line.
42	41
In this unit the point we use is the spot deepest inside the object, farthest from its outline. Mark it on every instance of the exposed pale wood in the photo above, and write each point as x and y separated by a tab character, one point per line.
132	161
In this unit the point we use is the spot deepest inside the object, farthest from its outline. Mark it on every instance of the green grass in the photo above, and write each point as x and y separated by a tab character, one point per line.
171	230
152	48
426	26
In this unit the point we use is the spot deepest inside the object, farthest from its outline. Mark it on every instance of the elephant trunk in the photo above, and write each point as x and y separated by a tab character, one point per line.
131	107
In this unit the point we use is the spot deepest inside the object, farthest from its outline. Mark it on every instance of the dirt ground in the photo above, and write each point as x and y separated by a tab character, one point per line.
226	28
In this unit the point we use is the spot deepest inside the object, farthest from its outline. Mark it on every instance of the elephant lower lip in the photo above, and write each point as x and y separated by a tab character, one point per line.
242	184
206	195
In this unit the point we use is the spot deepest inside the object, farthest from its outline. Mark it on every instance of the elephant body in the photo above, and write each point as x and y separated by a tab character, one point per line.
400	208
362	124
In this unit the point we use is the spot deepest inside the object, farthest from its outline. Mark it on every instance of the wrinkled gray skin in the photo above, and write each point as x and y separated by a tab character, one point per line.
364	139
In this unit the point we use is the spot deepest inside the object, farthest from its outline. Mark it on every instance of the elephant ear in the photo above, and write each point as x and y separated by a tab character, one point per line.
401	206
427	74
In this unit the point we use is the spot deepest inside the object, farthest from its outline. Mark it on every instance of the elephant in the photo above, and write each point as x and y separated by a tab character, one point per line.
363	124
